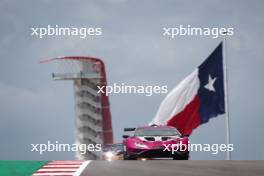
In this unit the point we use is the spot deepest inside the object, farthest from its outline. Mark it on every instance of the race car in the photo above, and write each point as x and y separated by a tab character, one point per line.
155	142
113	152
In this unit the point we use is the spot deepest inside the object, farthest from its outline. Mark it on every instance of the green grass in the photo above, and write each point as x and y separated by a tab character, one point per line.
19	168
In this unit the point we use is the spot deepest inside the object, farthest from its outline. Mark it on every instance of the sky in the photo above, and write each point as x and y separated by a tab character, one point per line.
36	109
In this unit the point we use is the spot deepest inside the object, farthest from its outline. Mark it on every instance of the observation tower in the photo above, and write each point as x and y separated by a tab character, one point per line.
92	109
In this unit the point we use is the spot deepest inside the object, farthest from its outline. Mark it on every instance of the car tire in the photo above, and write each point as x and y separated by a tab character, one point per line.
126	157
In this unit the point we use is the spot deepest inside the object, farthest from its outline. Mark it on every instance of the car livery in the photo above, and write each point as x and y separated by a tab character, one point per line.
154	142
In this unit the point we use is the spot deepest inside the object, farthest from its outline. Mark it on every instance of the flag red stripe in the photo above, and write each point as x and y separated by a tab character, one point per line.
188	119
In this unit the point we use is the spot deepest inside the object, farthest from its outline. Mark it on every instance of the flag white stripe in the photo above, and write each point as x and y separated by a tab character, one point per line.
178	98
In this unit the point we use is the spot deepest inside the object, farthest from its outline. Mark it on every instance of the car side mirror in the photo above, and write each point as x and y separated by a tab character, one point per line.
125	136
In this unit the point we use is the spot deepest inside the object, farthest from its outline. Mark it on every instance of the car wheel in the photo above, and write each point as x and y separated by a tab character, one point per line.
126	157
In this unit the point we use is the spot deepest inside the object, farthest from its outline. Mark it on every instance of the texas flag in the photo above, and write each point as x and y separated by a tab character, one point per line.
199	97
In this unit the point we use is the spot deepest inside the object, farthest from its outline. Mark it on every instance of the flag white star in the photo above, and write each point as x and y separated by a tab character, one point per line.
210	84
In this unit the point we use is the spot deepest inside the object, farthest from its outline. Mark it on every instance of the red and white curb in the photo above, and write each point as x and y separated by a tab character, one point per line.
62	168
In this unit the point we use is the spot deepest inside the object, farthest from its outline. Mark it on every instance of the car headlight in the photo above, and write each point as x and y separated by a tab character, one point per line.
109	155
140	145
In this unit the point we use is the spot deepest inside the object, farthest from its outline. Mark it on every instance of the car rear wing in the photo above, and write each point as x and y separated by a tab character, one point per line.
129	129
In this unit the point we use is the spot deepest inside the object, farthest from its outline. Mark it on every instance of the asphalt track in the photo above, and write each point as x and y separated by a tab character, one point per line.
170	168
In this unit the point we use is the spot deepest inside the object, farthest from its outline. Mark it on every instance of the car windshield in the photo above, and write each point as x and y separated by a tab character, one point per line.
156	132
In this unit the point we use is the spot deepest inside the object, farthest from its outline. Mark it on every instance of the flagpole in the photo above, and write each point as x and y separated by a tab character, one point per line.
228	153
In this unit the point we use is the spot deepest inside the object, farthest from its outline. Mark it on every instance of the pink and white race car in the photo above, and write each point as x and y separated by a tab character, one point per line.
155	142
